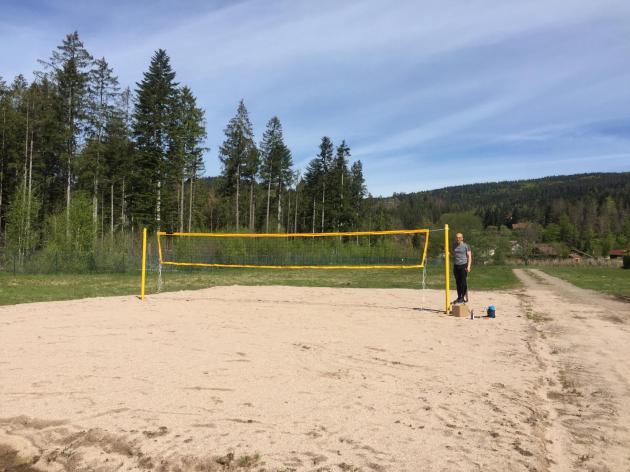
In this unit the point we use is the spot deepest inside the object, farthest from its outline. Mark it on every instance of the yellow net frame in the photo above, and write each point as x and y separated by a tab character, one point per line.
294	235
426	232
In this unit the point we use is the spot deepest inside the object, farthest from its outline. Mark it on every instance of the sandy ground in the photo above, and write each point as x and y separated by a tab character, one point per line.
317	379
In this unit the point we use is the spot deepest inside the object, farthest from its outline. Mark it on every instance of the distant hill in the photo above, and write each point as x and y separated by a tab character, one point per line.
576	185
544	200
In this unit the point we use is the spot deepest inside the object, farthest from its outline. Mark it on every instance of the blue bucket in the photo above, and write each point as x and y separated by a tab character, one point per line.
491	311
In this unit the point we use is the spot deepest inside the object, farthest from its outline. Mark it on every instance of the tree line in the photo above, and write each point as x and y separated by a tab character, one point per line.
259	190
85	161
587	212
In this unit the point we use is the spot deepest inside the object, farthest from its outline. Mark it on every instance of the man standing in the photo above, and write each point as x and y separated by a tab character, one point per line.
463	263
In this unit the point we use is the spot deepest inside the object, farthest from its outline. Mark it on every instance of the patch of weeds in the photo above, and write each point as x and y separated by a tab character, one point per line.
225	460
248	461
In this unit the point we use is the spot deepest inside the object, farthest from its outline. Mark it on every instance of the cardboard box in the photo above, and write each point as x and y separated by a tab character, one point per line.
460	310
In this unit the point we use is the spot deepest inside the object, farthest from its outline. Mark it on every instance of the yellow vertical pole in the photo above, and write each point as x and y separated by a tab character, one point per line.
144	262
447	275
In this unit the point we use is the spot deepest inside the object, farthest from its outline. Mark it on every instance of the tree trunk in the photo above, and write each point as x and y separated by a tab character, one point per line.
68	201
95	207
323	205
24	172
95	190
102	216
288	228
296	210
70	152
111	212
238	183
4	126
251	207
313	214
341	210
268	200
181	205
190	204
158	203
279	206
122	207
30	188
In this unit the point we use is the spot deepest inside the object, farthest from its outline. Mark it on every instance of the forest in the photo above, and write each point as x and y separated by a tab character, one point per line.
86	162
587	212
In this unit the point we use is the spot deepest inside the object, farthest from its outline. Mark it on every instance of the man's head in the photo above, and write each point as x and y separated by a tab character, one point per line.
459	237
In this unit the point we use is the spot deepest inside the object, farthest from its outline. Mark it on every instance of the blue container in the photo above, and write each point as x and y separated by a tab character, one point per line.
491	311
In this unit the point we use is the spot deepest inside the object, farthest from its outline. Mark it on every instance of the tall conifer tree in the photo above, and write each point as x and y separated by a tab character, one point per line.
325	156
276	163
153	133
103	89
191	133
339	202
238	154
69	66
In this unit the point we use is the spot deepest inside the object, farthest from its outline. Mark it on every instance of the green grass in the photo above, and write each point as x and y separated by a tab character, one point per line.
48	287
611	280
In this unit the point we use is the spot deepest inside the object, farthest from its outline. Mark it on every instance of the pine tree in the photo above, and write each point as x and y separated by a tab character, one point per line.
117	155
102	93
325	157
153	134
69	66
191	133
357	192
237	155
123	172
48	127
339	179
275	166
317	183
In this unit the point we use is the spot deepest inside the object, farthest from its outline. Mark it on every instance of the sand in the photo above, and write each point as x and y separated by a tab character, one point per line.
317	379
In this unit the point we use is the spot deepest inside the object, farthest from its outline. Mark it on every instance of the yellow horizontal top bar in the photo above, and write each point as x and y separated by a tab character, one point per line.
290	235
251	266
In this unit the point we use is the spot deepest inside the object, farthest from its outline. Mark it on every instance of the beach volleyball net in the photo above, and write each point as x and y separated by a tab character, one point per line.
355	250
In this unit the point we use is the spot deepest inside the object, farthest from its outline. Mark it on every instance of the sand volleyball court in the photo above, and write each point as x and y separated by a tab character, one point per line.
315	379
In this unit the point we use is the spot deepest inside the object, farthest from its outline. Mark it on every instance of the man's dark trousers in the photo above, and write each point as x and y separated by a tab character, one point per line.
460	277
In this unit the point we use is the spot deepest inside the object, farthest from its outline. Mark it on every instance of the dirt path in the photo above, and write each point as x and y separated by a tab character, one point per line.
581	342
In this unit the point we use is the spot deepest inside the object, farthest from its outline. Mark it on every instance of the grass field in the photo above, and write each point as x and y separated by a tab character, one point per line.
611	280
49	287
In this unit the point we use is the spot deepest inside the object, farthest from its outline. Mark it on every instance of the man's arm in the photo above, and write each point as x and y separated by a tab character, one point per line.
469	256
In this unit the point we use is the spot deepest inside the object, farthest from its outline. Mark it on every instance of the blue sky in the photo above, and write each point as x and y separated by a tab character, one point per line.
426	93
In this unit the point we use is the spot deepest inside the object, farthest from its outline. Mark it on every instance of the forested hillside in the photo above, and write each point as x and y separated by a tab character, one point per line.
590	212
